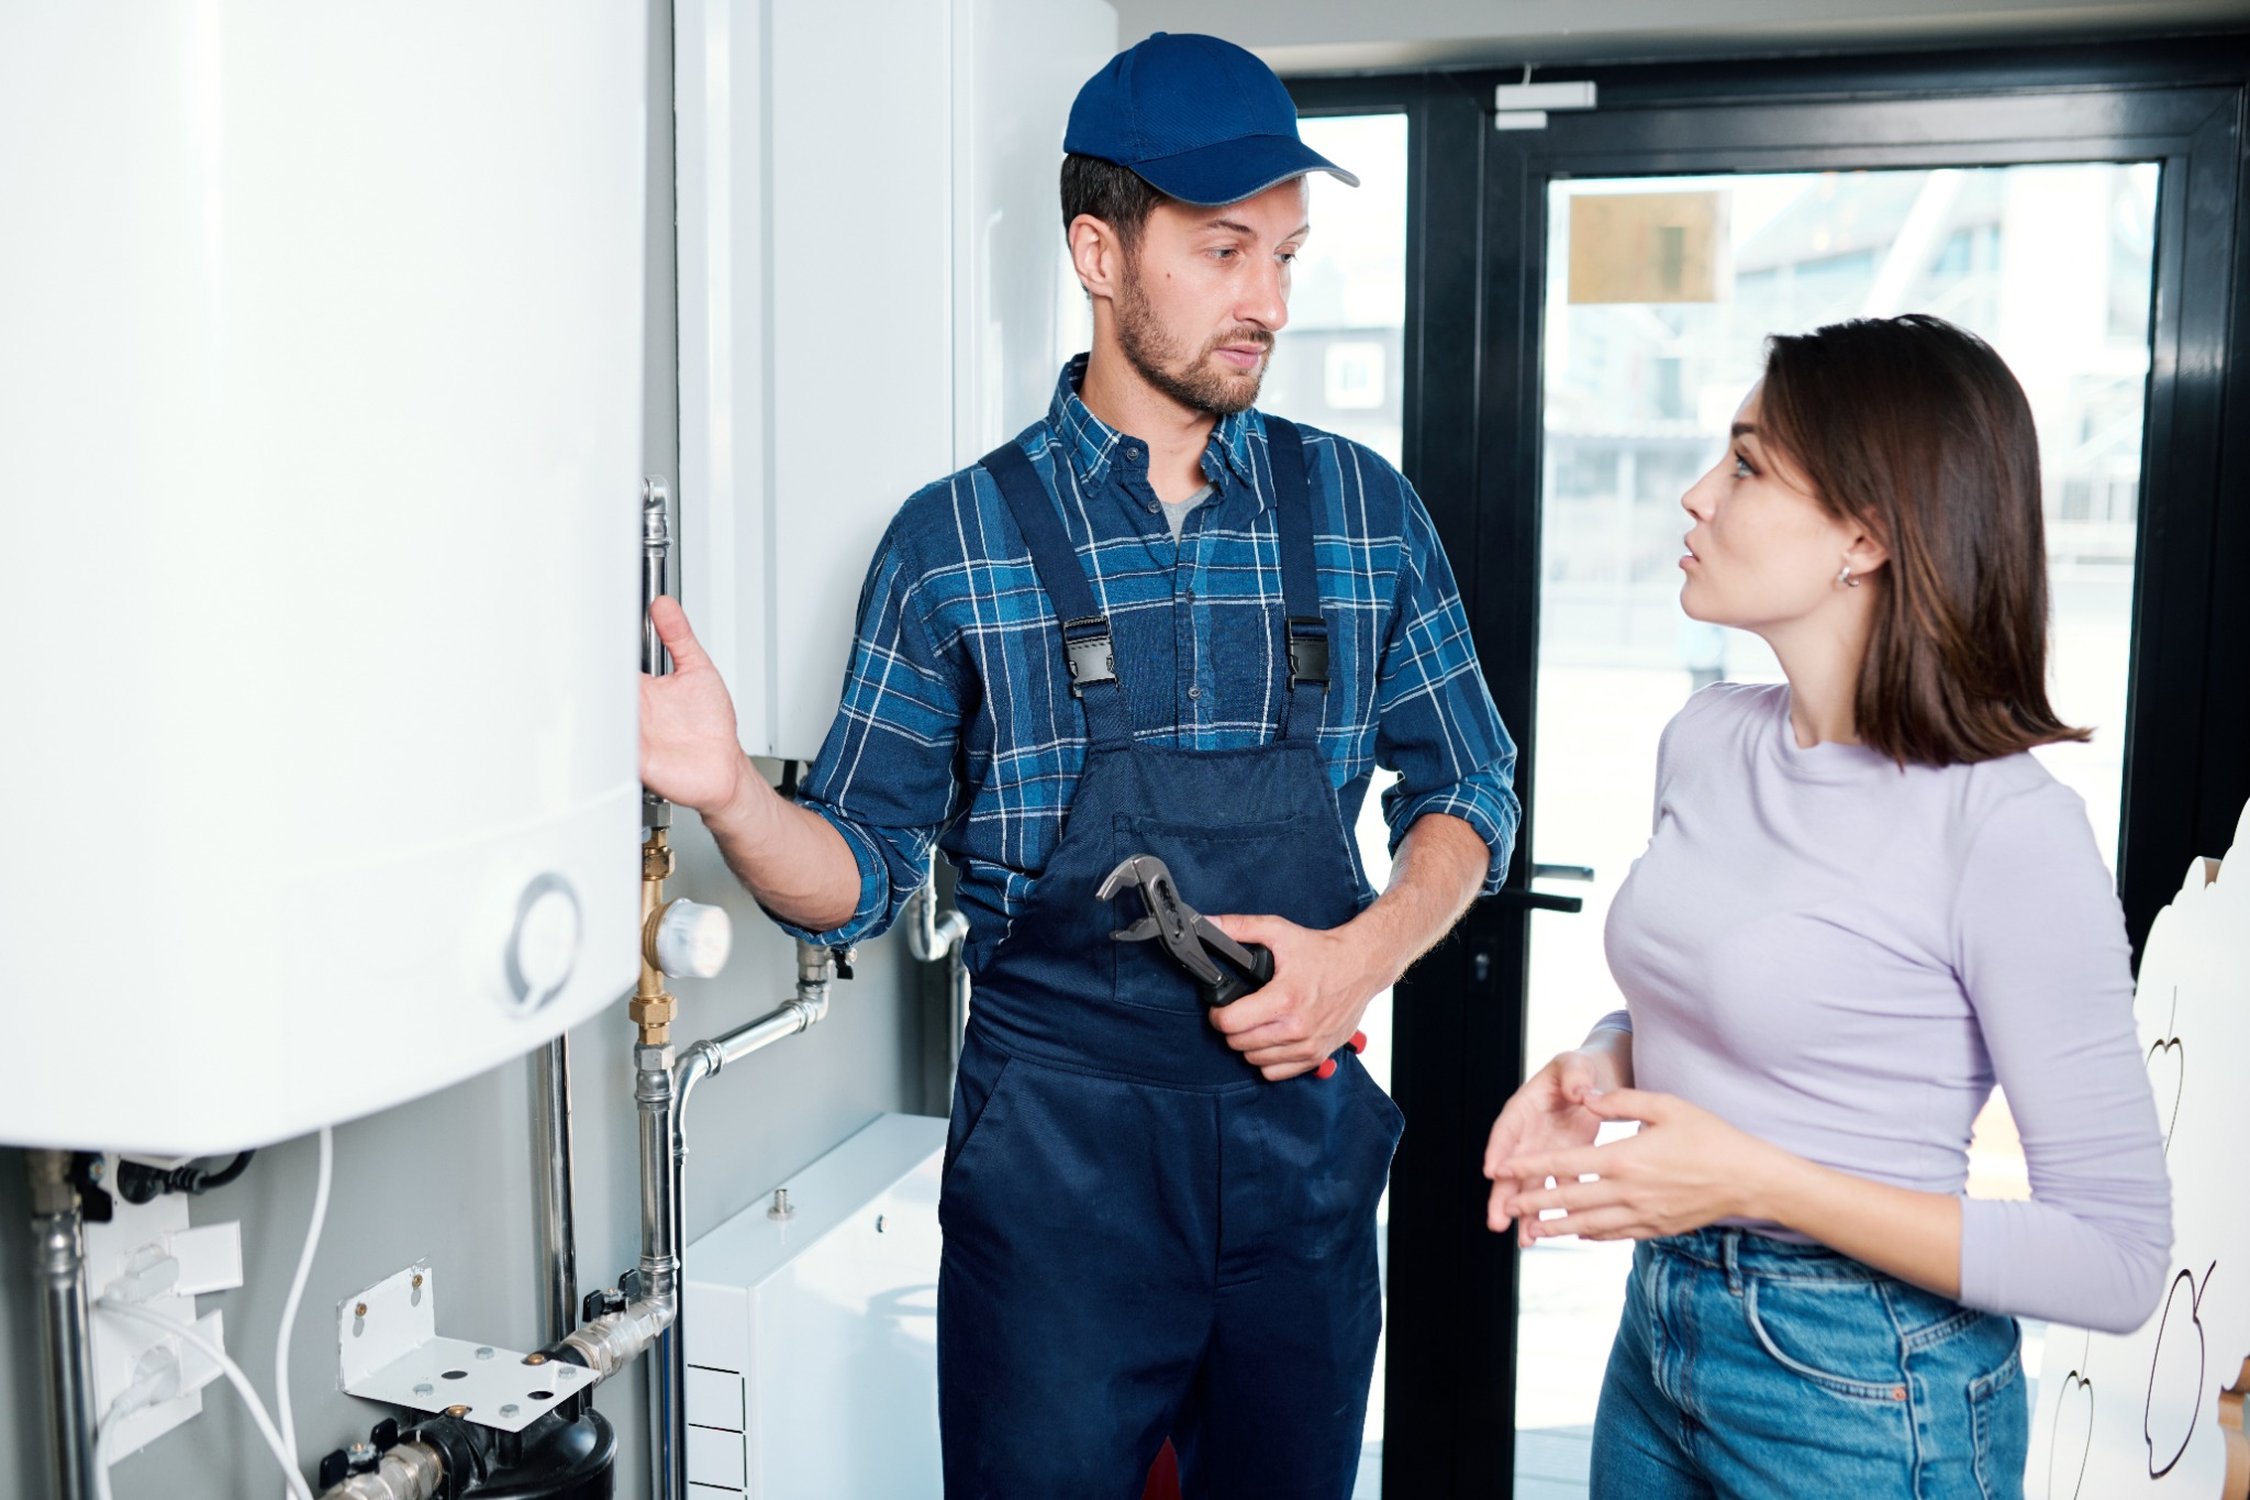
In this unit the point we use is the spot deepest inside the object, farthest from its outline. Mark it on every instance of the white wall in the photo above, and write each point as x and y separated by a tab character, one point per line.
830	258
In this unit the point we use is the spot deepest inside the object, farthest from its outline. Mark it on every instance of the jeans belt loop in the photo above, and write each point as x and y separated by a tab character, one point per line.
1730	1242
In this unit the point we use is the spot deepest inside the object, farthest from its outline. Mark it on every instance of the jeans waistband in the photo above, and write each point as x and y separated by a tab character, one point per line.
1744	1252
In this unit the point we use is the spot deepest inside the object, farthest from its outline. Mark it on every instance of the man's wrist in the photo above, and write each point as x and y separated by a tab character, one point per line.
745	805
1374	941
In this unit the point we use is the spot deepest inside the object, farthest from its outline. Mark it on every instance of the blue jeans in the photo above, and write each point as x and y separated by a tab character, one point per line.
1753	1369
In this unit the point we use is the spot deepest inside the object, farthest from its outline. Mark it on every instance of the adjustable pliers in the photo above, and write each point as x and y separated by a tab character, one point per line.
1226	969
1188	935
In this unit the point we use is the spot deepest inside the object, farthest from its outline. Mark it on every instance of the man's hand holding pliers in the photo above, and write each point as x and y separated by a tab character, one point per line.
1286	997
1311	1007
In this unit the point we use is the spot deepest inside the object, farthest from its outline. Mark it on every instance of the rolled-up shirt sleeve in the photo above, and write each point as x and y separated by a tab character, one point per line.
1436	723
886	778
2042	953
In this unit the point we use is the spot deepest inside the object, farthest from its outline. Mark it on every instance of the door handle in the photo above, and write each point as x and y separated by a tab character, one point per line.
1529	900
1523	898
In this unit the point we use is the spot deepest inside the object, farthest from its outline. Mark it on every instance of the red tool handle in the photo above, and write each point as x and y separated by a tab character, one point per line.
1327	1068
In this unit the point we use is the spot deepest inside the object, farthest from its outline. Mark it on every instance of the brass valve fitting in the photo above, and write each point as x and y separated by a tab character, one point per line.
653	1009
654	1014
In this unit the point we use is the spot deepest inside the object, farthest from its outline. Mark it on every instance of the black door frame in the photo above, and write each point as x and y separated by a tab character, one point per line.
1476	246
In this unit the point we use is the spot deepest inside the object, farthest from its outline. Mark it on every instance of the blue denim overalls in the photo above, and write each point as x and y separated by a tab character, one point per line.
1143	1237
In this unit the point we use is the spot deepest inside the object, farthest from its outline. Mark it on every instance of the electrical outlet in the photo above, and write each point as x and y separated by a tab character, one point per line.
208	1258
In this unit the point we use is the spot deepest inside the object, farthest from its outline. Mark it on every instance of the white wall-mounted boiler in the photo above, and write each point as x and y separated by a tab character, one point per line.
320	405
873	292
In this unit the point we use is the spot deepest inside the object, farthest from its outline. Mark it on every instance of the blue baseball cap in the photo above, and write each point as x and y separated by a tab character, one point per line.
1200	119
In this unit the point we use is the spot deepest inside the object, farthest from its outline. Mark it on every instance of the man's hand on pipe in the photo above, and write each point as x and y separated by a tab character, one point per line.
690	754
792	859
1321	984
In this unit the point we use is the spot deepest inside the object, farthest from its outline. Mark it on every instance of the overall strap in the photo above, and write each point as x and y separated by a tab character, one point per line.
1085	629
1304	626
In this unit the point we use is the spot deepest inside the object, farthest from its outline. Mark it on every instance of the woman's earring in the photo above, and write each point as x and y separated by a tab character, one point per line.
1845	578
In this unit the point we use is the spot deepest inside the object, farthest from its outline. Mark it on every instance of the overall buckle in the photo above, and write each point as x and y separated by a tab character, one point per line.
1308	651
1092	658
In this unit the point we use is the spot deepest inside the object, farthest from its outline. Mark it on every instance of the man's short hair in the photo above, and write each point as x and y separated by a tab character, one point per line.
1118	196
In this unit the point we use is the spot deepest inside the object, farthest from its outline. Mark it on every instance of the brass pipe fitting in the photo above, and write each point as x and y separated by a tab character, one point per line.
653	1009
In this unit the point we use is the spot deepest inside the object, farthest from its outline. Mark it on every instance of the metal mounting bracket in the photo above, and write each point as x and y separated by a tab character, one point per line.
389	1351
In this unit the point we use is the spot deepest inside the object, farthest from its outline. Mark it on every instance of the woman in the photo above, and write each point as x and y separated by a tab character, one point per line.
1863	904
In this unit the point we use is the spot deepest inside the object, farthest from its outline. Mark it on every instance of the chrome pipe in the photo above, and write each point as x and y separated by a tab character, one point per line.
667	1410
929	938
611	1342
785	1021
65	1318
664	1105
656	570
656	579
555	1175
410	1471
655	1095
793	1017
800	1012
654	1099
657	1103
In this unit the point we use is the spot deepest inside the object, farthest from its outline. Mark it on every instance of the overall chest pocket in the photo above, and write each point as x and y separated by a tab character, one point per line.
1294	867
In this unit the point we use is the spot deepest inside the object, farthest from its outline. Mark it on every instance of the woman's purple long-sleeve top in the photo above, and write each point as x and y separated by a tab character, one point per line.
1842	957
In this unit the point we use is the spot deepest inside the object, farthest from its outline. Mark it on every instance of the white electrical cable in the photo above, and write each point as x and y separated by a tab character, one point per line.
101	1463
298	1489
101	1457
156	1380
297	1294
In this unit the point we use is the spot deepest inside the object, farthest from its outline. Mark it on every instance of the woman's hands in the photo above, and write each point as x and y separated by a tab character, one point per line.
1687	1168
1684	1169
1548	1114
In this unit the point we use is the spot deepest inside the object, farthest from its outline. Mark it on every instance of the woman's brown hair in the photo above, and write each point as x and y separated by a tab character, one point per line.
1915	430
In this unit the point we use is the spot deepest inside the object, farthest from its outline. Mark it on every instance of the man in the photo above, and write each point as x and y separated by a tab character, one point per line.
1158	622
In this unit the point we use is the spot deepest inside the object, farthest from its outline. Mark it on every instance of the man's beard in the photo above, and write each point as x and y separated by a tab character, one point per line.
1192	383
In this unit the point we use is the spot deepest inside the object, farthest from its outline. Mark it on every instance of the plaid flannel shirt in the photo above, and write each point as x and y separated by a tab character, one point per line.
957	727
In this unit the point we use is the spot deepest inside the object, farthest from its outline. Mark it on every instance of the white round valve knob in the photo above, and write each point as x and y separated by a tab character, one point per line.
693	940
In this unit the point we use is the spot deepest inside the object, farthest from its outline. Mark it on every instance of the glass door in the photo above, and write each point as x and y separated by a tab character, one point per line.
1659	293
2085	213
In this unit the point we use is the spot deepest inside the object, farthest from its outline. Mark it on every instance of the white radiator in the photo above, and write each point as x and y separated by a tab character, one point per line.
811	1340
